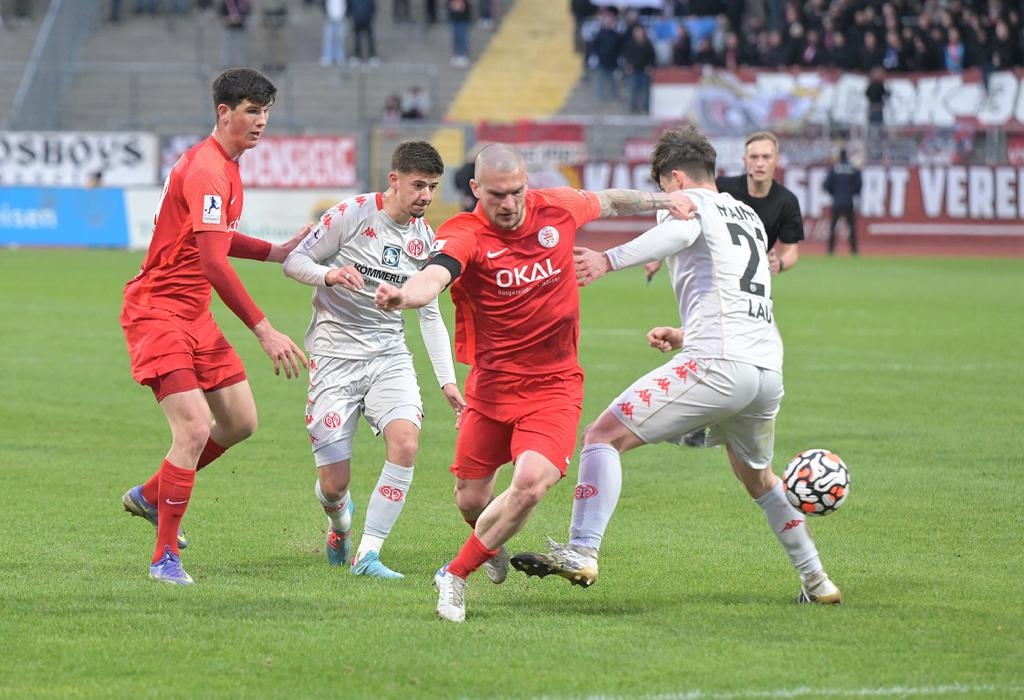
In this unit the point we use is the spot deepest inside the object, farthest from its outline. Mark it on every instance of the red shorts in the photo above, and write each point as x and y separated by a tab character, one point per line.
506	418
160	342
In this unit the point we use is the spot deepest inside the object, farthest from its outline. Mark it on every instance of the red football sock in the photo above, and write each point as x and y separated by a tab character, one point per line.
211	452
151	489
175	490
471	557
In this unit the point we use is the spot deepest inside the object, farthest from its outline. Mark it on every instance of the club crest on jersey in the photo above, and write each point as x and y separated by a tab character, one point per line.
548	236
391	256
212	209
415	248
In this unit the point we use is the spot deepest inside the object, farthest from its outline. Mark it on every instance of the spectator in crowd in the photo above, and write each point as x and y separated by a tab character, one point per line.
892	53
582	12
682	49
459	20
705	55
401	12
606	49
415	103
812	54
362	14
731	56
391	113
953	52
776	54
462	177
234	14
332	50
877	94
430	12
638	60
275	25
839	55
487	12
843	182
871	53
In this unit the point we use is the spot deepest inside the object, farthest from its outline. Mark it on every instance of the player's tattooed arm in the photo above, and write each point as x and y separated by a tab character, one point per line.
620	202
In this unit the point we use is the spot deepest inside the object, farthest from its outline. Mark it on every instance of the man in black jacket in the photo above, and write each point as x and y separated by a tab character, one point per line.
843	182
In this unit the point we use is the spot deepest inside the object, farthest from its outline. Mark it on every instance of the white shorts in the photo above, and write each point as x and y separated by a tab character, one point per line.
738	401
340	390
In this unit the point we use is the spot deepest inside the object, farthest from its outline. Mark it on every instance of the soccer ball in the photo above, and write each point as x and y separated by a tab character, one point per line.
816	481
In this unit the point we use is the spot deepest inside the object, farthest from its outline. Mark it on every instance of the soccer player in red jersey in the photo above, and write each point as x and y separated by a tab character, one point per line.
175	346
517	323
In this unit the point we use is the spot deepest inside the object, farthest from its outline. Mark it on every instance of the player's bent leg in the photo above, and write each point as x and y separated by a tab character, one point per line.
576	564
136	504
451	595
234	413
331	491
496	568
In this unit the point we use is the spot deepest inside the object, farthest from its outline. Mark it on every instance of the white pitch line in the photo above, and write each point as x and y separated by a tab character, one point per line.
805	692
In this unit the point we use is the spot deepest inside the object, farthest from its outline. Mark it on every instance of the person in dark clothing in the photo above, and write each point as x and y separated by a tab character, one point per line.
877	94
639	60
362	14
843	182
606	48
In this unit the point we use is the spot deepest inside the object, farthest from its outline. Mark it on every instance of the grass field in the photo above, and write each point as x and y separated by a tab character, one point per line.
910	369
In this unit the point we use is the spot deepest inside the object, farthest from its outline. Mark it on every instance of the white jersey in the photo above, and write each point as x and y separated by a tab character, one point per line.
346	323
718	263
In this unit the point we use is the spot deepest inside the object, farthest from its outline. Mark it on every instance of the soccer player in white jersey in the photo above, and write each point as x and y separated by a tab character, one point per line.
727	375
359	361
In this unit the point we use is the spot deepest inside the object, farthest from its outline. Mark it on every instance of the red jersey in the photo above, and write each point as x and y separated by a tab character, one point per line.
516	300
202	193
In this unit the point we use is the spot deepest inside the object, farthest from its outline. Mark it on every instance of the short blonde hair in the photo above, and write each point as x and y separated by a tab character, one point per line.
762	136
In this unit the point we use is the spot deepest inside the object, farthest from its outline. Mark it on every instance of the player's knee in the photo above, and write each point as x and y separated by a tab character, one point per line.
402	450
471	501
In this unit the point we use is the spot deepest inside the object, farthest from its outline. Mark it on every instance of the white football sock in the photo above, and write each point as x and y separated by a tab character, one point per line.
337	511
597	493
384	507
790	526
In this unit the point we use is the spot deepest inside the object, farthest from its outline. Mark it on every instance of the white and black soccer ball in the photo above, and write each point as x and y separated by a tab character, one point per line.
817	481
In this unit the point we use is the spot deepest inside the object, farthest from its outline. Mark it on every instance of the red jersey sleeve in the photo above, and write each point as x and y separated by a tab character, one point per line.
457	239
583	205
207	193
213	257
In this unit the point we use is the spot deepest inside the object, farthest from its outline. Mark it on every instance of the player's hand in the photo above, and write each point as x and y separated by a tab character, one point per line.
278	252
347	276
773	262
388	296
455	400
281	349
665	338
651	269
590	265
682	207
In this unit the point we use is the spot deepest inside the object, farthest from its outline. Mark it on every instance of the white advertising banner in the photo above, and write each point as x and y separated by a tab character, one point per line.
73	159
273	215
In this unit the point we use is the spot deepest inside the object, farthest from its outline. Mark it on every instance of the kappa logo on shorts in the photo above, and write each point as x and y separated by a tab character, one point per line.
391	256
212	209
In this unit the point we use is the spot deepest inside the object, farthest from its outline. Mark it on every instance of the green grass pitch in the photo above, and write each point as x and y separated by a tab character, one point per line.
910	369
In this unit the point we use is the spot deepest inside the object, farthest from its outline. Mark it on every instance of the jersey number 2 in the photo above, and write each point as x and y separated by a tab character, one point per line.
739	235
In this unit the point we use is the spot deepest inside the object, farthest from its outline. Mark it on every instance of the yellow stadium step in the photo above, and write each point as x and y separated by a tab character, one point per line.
528	70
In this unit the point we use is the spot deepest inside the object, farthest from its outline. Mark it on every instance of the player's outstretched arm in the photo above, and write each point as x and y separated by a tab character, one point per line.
279	251
419	290
665	338
590	265
619	202
281	349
